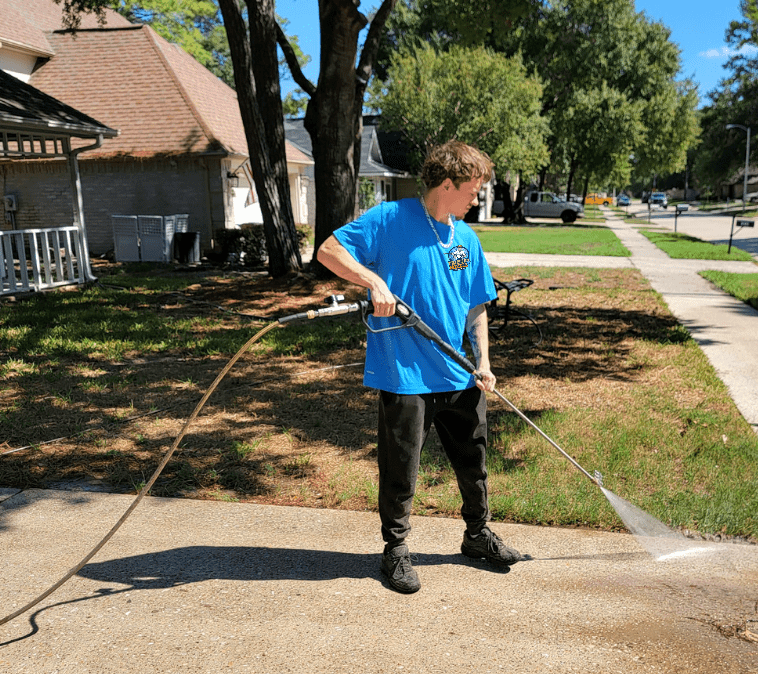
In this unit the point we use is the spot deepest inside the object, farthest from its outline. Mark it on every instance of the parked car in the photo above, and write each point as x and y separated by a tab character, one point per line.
597	200
659	199
547	205
623	200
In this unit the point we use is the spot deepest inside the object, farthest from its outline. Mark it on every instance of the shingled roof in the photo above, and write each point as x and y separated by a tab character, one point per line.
161	100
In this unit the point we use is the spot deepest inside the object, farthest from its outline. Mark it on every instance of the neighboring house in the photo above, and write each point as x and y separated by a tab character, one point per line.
181	147
33	126
384	161
733	188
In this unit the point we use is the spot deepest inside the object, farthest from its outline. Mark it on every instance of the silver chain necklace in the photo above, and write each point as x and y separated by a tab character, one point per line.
434	229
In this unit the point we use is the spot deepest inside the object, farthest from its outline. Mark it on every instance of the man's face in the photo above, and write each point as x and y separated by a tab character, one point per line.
464	197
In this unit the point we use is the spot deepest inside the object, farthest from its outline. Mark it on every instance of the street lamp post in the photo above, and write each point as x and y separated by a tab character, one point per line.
747	160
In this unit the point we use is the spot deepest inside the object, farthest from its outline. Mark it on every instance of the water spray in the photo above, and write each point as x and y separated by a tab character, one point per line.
661	541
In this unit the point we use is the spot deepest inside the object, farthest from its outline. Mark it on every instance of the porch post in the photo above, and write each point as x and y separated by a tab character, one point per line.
78	201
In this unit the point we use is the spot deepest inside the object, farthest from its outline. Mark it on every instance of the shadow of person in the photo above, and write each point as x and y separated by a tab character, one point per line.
193	564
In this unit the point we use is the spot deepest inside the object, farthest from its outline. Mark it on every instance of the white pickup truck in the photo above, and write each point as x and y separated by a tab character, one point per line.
547	205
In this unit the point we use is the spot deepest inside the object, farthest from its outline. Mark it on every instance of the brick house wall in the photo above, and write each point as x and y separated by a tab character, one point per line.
119	187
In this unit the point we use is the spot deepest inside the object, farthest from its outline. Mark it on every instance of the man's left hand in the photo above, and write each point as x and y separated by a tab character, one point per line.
485	380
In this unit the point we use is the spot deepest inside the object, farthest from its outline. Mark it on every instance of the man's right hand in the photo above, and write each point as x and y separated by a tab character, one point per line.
382	299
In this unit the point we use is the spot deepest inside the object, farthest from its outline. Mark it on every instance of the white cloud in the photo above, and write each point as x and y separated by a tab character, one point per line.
725	52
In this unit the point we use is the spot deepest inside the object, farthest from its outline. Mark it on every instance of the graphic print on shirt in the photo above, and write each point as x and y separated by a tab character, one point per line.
458	258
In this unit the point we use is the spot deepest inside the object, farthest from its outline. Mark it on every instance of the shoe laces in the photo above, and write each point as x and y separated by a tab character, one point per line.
403	566
494	542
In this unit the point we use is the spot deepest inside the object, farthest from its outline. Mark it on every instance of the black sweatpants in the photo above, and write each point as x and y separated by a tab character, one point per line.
460	418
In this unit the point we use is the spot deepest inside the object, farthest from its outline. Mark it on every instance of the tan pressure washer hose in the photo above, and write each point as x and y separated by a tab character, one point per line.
149	483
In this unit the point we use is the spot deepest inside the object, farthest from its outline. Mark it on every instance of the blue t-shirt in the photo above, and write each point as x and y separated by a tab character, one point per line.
441	285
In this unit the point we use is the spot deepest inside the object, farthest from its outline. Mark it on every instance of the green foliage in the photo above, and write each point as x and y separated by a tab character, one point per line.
722	153
251	240
366	194
474	95
609	91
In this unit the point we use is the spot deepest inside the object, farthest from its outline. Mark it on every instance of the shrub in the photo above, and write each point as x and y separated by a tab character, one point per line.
247	245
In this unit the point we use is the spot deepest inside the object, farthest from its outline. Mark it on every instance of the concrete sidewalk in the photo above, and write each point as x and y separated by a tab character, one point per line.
725	328
204	586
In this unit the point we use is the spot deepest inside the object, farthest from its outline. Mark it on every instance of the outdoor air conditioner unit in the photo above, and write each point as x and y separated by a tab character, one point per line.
9	202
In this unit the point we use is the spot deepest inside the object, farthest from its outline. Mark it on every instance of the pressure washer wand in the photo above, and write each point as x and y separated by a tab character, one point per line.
410	319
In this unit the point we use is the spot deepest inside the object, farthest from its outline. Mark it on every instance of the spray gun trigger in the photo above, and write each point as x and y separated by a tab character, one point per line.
599	478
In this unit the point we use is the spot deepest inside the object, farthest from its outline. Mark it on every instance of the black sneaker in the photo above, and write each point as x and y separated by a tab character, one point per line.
396	565
489	546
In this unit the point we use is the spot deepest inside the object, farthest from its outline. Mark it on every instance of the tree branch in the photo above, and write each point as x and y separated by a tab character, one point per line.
289	54
371	46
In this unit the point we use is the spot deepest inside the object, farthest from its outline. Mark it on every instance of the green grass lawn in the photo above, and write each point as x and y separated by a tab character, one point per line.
551	239
682	246
742	286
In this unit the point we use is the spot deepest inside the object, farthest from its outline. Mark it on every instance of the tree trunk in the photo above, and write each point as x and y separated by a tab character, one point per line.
543	176
572	171
331	118
513	211
256	78
334	117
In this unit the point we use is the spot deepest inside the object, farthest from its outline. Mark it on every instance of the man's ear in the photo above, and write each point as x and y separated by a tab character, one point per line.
447	184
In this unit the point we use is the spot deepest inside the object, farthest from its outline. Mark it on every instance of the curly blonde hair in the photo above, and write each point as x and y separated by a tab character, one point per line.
457	161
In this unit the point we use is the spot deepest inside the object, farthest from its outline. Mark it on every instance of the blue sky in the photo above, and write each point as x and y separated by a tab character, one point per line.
697	27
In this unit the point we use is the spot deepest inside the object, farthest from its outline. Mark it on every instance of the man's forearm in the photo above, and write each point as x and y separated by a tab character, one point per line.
478	335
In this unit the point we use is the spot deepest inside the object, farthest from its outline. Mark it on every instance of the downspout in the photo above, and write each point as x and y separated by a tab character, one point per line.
209	203
76	183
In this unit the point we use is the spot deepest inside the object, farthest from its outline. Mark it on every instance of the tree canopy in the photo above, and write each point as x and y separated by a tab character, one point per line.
608	73
471	94
735	101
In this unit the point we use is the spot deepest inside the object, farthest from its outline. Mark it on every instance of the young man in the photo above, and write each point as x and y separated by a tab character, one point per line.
421	251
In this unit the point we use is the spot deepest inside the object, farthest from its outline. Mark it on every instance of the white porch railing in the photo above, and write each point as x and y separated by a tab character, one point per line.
37	259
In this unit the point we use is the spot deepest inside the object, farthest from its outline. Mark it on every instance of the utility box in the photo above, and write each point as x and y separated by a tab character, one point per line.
187	247
148	238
